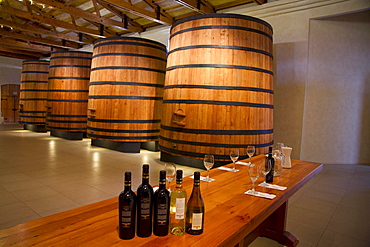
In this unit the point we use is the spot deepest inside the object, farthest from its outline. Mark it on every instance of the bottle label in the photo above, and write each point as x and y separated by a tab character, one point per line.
126	216
197	221
162	214
145	209
180	208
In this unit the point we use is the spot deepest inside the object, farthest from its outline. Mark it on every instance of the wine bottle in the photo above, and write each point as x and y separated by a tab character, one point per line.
127	210
195	209
144	205
178	207
269	159
161	200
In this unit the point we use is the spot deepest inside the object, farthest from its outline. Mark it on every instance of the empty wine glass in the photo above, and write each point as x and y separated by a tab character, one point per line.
170	169
250	152
254	173
234	156
208	164
265	168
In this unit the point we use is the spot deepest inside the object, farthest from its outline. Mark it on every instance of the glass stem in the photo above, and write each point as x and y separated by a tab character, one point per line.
207	174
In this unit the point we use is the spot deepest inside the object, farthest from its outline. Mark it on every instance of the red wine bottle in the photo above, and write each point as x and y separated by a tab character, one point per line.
127	210
161	200
144	205
195	209
270	159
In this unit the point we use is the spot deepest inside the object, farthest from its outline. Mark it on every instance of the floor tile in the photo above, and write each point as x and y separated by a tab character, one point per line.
22	185
333	239
15	211
51	204
306	234
34	193
316	205
311	218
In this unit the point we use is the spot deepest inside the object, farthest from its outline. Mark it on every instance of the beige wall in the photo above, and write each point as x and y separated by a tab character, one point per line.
336	125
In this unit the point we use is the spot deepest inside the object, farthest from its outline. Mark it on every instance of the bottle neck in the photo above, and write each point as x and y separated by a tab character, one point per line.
145	179
162	185
179	183
127	186
196	188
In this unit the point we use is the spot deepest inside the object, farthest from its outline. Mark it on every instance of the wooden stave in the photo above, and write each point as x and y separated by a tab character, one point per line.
68	91
33	92
173	77
146	89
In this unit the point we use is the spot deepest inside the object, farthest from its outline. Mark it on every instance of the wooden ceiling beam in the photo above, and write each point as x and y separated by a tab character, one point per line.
8	49
158	16
200	6
259	2
28	46
50	21
119	13
17	55
62	44
88	16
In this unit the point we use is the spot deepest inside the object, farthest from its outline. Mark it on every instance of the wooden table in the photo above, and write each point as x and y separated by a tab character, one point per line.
231	217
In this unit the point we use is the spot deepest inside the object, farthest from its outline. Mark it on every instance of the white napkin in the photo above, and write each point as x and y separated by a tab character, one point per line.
204	179
242	163
226	169
272	186
260	194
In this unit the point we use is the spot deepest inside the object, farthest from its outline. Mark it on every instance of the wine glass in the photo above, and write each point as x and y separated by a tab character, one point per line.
250	152
208	163
265	168
170	169
234	156
254	173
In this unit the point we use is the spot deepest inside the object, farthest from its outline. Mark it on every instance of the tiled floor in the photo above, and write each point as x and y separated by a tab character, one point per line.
42	175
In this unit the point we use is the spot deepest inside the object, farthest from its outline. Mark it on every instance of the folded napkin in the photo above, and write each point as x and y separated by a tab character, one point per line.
226	169
272	186
260	194
242	163
204	179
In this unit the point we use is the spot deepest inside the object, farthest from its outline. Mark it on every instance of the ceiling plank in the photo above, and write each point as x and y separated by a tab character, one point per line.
119	13
61	44
161	17
17	55
88	16
8	49
50	21
28	46
200	6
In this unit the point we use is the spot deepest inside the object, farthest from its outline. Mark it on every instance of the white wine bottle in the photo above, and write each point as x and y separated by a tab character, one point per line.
195	209
178	207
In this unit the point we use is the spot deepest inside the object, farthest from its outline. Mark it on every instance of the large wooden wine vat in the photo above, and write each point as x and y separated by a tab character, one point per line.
126	90
218	92
69	75
33	92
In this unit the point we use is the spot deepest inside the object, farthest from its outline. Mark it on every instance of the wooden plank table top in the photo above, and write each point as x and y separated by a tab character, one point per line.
230	215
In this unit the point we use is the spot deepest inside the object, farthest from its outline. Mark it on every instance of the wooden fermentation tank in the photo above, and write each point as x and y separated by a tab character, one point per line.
33	93
69	75
218	92
126	90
